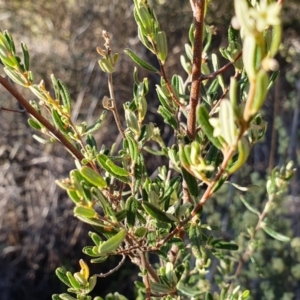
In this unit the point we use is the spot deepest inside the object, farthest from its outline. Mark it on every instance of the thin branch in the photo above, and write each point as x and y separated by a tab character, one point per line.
20	111
199	6
163	74
213	110
146	278
30	110
249	250
114	106
274	130
221	70
114	269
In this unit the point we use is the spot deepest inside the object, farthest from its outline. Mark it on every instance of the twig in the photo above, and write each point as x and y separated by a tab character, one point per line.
30	110
146	276
213	110
114	269
114	106
163	74
20	111
274	130
248	252
221	70
199	6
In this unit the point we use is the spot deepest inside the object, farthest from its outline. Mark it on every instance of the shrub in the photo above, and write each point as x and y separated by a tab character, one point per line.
158	221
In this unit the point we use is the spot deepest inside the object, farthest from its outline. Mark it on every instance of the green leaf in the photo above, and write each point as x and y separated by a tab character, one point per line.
10	41
249	206
209	296
195	236
25	57
207	128
277	236
156	213
65	95
72	195
55	86
75	284
191	182
224	245
162	46
61	274
168	117
159	288
91	129
96	238
131	120
121	215
66	297
91	221
215	62
83	211
113	169
104	203
58	121
144	18
227	122
273	78
88	250
133	148
140	62
93	177
35	124
262	82
131	208
243	153
188	290
113	243
15	76
141	232
38	92
99	260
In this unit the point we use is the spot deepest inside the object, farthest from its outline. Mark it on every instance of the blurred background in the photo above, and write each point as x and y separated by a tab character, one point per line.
38	232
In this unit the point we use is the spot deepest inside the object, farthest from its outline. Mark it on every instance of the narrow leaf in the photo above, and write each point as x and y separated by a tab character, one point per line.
207	128
168	117
131	208
61	274
249	206
111	168
83	211
25	57
277	236
93	177
140	62
113	243
65	95
156	213
99	260
160	288
191	182
225	246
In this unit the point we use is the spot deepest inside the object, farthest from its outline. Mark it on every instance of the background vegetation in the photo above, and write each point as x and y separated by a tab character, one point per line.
37	229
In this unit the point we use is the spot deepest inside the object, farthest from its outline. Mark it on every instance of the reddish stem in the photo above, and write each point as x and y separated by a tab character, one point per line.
29	109
198	8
